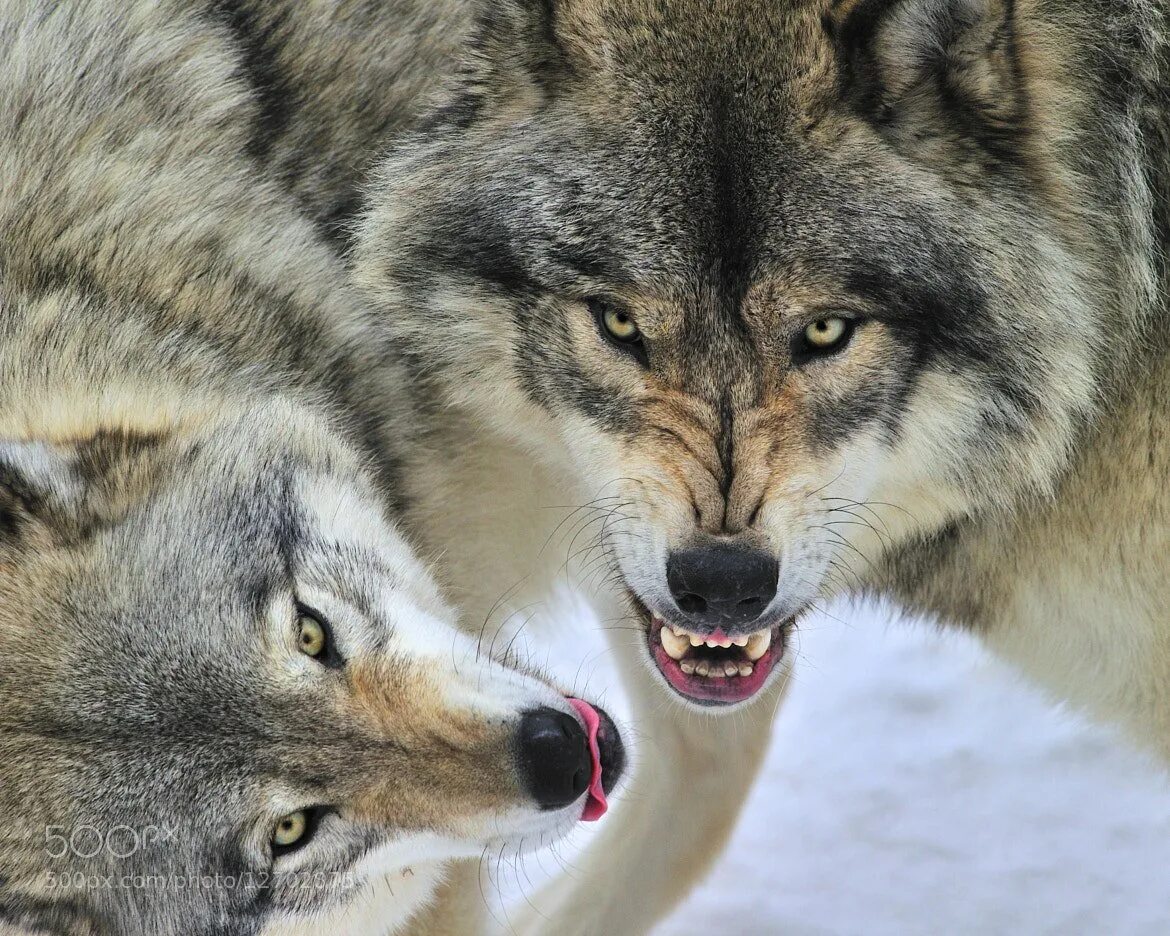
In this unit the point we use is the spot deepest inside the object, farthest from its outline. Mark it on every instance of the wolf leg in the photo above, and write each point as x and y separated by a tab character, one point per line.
691	776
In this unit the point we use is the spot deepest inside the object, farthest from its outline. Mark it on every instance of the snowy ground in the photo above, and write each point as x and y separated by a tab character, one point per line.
916	788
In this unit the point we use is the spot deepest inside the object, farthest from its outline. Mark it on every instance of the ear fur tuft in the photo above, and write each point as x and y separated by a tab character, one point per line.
36	480
55	493
947	66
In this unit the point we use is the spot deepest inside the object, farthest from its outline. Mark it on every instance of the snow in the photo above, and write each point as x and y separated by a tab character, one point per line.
916	786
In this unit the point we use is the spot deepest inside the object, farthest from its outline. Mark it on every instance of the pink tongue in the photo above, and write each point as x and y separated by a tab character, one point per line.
596	806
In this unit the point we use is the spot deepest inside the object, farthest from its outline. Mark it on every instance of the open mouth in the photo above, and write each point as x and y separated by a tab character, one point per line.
716	669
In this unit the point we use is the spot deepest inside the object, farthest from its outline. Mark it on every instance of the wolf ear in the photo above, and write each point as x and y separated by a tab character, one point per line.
58	493
531	45
38	485
949	64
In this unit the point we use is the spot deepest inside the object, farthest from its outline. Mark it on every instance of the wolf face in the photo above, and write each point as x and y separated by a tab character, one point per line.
230	695
796	285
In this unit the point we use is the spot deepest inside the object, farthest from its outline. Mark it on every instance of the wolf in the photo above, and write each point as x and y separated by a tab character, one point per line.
794	299
233	700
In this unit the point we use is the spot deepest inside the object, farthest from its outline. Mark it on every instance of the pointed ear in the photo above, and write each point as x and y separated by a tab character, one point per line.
59	493
936	68
39	485
522	46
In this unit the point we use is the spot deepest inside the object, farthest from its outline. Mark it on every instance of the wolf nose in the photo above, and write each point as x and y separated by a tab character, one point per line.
612	749
721	585
554	757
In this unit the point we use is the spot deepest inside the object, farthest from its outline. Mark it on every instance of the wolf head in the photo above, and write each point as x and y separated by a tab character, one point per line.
229	694
797	284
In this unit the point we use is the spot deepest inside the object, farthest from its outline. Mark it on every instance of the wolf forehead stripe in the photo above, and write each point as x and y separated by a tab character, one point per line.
734	223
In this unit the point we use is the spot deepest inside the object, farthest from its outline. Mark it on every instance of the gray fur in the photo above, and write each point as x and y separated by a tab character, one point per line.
984	184
183	466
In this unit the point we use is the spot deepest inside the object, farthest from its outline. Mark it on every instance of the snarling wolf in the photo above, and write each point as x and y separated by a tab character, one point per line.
232	700
797	298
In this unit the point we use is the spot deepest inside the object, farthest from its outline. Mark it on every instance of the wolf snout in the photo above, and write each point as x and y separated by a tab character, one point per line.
554	757
722	585
562	758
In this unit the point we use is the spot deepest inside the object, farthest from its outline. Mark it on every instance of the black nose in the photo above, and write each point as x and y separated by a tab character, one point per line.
611	749
554	757
721	585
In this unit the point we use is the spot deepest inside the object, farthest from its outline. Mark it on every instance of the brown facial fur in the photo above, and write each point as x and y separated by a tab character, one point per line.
450	765
730	173
181	453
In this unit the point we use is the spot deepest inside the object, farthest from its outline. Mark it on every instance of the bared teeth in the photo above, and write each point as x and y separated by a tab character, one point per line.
678	644
676	647
758	645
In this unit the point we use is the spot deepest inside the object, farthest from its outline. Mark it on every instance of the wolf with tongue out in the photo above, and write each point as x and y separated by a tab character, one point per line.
220	655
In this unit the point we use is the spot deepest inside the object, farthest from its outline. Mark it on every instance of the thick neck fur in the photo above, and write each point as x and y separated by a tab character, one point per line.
1073	588
141	281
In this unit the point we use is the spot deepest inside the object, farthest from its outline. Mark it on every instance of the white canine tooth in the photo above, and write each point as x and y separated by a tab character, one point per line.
740	641
675	647
745	669
679	632
758	645
695	641
688	667
703	668
731	669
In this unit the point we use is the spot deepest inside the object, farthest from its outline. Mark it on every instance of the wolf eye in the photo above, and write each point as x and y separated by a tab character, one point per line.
311	636
290	829
294	831
314	638
619	328
824	336
620	324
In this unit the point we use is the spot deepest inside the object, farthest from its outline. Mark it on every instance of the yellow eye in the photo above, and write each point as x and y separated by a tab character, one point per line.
620	324
827	333
291	829
311	638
